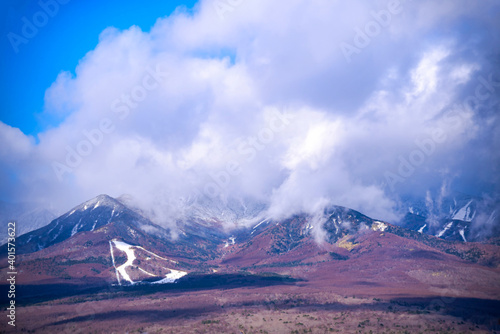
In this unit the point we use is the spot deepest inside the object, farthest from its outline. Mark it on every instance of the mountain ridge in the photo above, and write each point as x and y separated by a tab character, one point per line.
84	248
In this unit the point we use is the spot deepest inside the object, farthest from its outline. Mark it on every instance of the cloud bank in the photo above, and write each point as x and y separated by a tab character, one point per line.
294	104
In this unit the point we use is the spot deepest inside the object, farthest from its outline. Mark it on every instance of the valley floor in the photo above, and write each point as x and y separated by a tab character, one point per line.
298	307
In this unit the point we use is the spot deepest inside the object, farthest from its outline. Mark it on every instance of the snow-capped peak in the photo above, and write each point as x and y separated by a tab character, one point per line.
465	213
99	201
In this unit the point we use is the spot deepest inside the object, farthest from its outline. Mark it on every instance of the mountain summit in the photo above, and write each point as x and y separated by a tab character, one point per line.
88	216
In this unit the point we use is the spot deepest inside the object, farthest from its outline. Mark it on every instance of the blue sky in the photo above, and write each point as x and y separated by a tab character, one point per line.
58	46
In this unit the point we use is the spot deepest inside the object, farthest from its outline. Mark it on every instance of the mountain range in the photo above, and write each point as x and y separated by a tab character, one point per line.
459	218
105	241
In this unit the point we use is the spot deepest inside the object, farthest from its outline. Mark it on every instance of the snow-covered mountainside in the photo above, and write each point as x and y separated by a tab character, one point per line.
88	216
102	241
208	222
459	218
231	212
28	217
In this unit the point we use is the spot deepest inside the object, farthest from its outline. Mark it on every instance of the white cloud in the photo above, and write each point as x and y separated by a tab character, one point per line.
197	94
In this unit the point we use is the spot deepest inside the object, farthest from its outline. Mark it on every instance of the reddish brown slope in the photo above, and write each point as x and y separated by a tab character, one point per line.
373	262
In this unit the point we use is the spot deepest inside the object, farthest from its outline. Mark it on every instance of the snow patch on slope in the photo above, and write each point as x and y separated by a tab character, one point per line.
129	251
124	247
113	260
464	213
171	277
446	228
421	230
75	229
379	226
231	241
462	233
